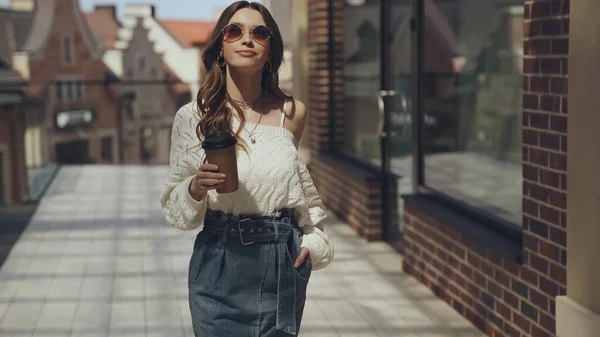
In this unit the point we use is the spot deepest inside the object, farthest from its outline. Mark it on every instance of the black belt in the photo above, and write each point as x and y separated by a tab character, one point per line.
277	228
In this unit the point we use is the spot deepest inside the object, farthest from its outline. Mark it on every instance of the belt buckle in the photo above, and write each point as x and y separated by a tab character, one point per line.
241	235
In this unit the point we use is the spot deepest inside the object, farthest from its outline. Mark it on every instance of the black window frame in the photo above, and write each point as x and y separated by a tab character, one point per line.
491	221
58	91
68	49
141	63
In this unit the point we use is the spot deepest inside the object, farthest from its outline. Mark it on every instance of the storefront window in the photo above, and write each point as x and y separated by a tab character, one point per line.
472	93
361	79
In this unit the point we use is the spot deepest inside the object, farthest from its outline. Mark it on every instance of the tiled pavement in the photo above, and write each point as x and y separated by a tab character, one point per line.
99	260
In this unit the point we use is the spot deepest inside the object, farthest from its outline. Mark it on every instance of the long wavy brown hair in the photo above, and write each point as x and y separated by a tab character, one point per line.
213	98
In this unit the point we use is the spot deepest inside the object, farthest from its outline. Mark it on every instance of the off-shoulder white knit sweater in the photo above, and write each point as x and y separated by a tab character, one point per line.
272	176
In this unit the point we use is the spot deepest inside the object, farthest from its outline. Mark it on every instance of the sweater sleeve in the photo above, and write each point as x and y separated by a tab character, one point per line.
311	215
178	206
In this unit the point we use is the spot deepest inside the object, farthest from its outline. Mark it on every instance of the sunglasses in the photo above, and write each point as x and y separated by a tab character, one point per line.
233	32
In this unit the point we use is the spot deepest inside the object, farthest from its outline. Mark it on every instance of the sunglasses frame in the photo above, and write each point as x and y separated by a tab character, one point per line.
244	31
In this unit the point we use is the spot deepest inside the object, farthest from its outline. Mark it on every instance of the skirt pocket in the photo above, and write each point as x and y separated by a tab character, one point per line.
202	245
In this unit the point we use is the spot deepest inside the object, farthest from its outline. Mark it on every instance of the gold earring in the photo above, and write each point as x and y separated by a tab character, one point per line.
221	61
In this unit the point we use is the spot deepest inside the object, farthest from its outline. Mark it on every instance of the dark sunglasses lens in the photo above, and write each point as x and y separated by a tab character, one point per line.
232	32
261	33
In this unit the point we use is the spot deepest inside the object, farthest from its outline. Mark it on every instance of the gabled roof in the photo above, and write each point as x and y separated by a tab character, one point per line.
14	30
104	24
45	15
18	24
189	33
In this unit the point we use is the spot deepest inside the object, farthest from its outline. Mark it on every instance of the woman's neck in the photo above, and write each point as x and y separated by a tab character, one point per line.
244	87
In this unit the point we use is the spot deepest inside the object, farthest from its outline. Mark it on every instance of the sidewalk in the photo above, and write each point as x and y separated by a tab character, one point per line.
99	260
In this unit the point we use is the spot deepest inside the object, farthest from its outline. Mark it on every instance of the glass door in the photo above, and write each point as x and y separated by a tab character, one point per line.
396	105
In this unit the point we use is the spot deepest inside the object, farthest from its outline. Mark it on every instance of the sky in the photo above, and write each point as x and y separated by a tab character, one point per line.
166	9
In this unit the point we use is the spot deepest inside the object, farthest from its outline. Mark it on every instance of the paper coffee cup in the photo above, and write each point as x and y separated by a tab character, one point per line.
220	150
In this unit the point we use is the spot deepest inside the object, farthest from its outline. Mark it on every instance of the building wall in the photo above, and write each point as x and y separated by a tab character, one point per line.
282	11
300	65
37	151
578	313
12	130
97	95
497	294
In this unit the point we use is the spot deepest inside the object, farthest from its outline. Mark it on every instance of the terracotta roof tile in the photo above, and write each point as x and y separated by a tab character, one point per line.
189	33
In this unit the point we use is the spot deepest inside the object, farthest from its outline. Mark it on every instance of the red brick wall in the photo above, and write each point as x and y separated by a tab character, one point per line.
350	193
318	86
352	197
499	296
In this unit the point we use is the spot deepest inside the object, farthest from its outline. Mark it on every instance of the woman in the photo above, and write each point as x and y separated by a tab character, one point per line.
257	246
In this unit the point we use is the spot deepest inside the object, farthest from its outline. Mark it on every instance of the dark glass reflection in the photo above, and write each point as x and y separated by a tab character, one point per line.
472	102
361	79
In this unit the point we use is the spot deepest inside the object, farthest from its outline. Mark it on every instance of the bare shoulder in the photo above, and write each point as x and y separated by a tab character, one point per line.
296	118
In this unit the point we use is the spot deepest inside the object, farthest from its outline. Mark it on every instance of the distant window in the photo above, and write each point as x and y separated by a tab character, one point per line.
69	85
141	64
69	89
67	49
153	72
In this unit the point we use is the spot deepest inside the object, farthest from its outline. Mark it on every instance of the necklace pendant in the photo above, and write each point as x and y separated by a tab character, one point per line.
252	140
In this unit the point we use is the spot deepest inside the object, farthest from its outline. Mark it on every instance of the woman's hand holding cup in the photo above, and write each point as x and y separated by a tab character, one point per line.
207	178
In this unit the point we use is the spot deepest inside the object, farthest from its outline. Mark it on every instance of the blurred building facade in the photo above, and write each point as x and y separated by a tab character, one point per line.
62	60
473	193
154	90
91	89
180	42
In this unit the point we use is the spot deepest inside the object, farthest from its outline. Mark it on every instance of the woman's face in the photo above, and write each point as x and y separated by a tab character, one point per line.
249	51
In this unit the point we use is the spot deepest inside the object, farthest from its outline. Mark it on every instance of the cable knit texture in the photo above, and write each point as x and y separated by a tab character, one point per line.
272	176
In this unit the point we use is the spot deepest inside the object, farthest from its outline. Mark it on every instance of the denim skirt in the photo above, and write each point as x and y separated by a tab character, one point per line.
242	281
